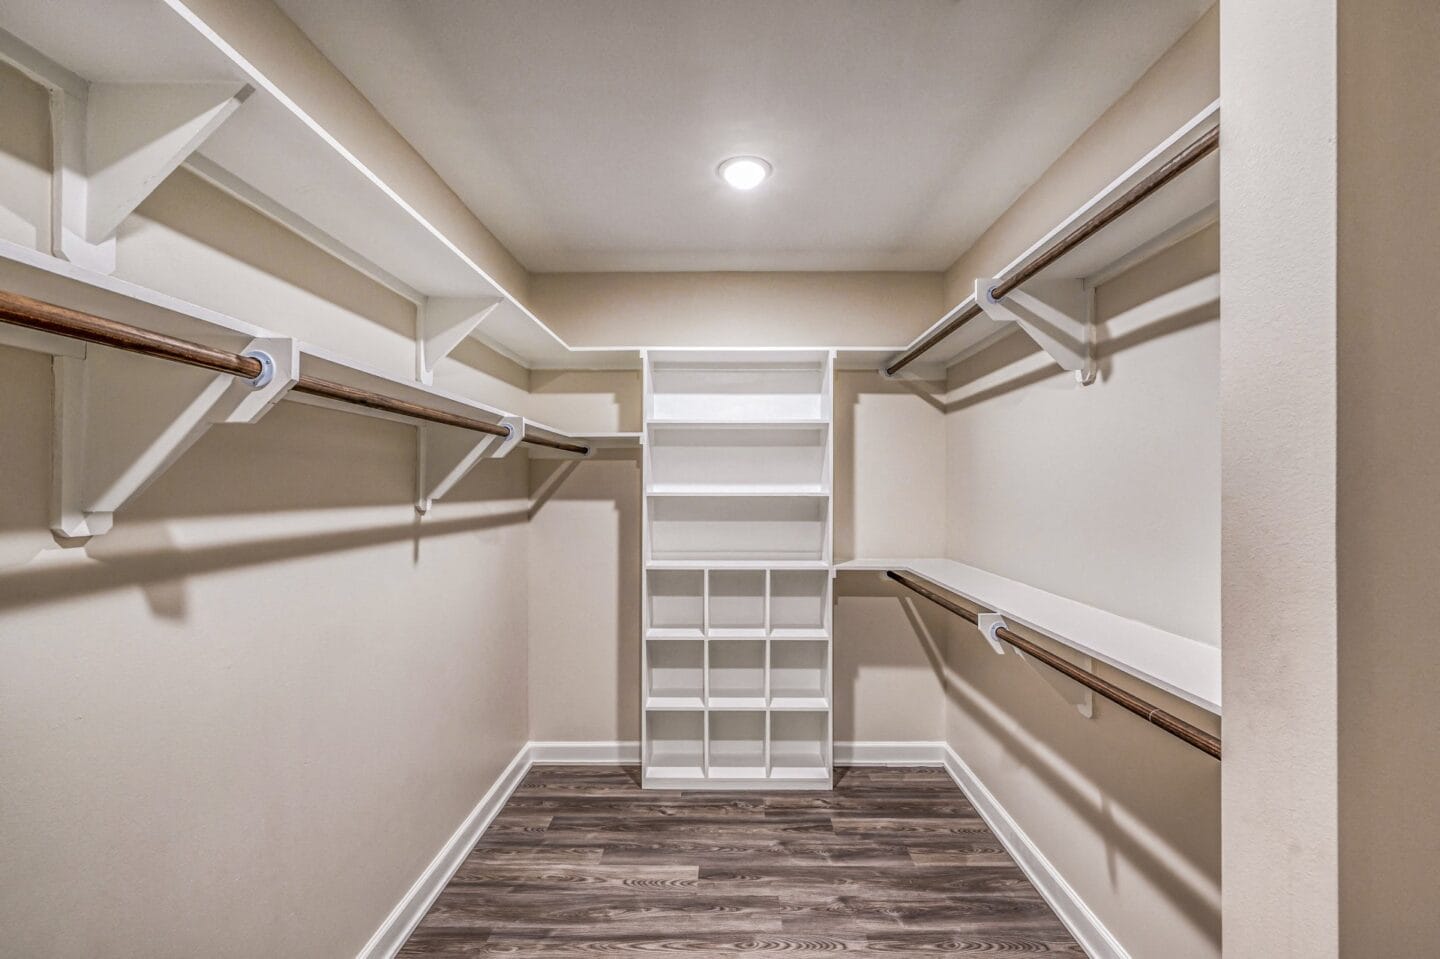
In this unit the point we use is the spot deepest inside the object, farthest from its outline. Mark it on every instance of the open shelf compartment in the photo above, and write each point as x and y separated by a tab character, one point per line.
675	603
756	528
799	603
675	674
738	385
675	745
800	745
736	600
737	745
800	675
719	458
736	675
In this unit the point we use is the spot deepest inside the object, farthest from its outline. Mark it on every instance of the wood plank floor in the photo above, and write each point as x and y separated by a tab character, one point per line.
582	862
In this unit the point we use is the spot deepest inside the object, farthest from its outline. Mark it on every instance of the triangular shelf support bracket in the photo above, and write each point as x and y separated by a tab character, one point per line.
442	324
1057	314
1076	694
117	428
447	453
113	145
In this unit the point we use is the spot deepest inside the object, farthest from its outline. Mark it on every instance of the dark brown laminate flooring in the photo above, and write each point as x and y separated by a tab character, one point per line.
583	862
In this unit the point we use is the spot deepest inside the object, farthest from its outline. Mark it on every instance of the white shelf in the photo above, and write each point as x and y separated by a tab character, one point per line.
792	423
1176	211
785	700
728	491
675	633
1184	667
745	703
664	701
736	563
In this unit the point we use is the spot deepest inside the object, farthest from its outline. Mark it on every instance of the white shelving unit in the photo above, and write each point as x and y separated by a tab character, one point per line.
737	541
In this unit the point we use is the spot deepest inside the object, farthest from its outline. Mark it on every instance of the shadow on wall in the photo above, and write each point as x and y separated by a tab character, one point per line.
877	441
1148	799
585	597
302	482
191	207
887	683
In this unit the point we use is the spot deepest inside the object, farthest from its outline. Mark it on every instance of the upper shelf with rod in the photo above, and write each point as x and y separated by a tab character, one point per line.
119	428
1169	194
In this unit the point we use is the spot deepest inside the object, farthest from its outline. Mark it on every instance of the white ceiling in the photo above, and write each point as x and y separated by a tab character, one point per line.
585	133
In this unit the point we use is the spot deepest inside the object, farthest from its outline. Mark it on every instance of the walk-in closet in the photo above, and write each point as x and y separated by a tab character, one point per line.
574	478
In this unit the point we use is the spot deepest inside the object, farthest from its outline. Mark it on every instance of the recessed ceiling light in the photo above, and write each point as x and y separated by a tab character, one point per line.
744	173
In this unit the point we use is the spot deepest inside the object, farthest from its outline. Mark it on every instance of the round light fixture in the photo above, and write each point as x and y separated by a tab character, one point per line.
744	173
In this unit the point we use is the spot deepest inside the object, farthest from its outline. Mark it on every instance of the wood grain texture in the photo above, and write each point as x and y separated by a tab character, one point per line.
581	862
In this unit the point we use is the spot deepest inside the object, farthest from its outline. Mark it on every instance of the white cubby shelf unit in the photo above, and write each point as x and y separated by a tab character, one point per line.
736	661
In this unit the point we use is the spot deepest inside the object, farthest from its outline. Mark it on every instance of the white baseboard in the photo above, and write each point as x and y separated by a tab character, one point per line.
408	912
1069	907
585	752
1083	924
890	754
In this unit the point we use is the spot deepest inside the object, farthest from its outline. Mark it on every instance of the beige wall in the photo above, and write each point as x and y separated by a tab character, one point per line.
244	721
1389	455
1278	402
1178	86
1109	494
737	309
1328	366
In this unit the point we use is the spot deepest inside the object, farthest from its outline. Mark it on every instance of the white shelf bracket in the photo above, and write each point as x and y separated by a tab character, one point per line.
446	454
989	623
1057	314
1081	697
115	432
442	324
113	146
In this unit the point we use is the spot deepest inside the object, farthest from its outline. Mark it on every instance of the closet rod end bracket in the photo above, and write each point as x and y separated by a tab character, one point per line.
989	625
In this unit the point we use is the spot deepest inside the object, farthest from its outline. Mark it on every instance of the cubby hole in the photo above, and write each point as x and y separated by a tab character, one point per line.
676	673
677	602
799	602
675	747
738	386
799	674
737	602
799	745
737	745
718	528
723	458
737	674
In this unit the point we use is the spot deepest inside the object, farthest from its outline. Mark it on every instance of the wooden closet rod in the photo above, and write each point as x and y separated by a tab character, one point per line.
1172	724
49	318
1093	224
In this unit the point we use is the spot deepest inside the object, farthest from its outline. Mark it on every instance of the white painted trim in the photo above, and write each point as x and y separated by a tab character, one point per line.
412	907
917	753
1083	924
585	752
